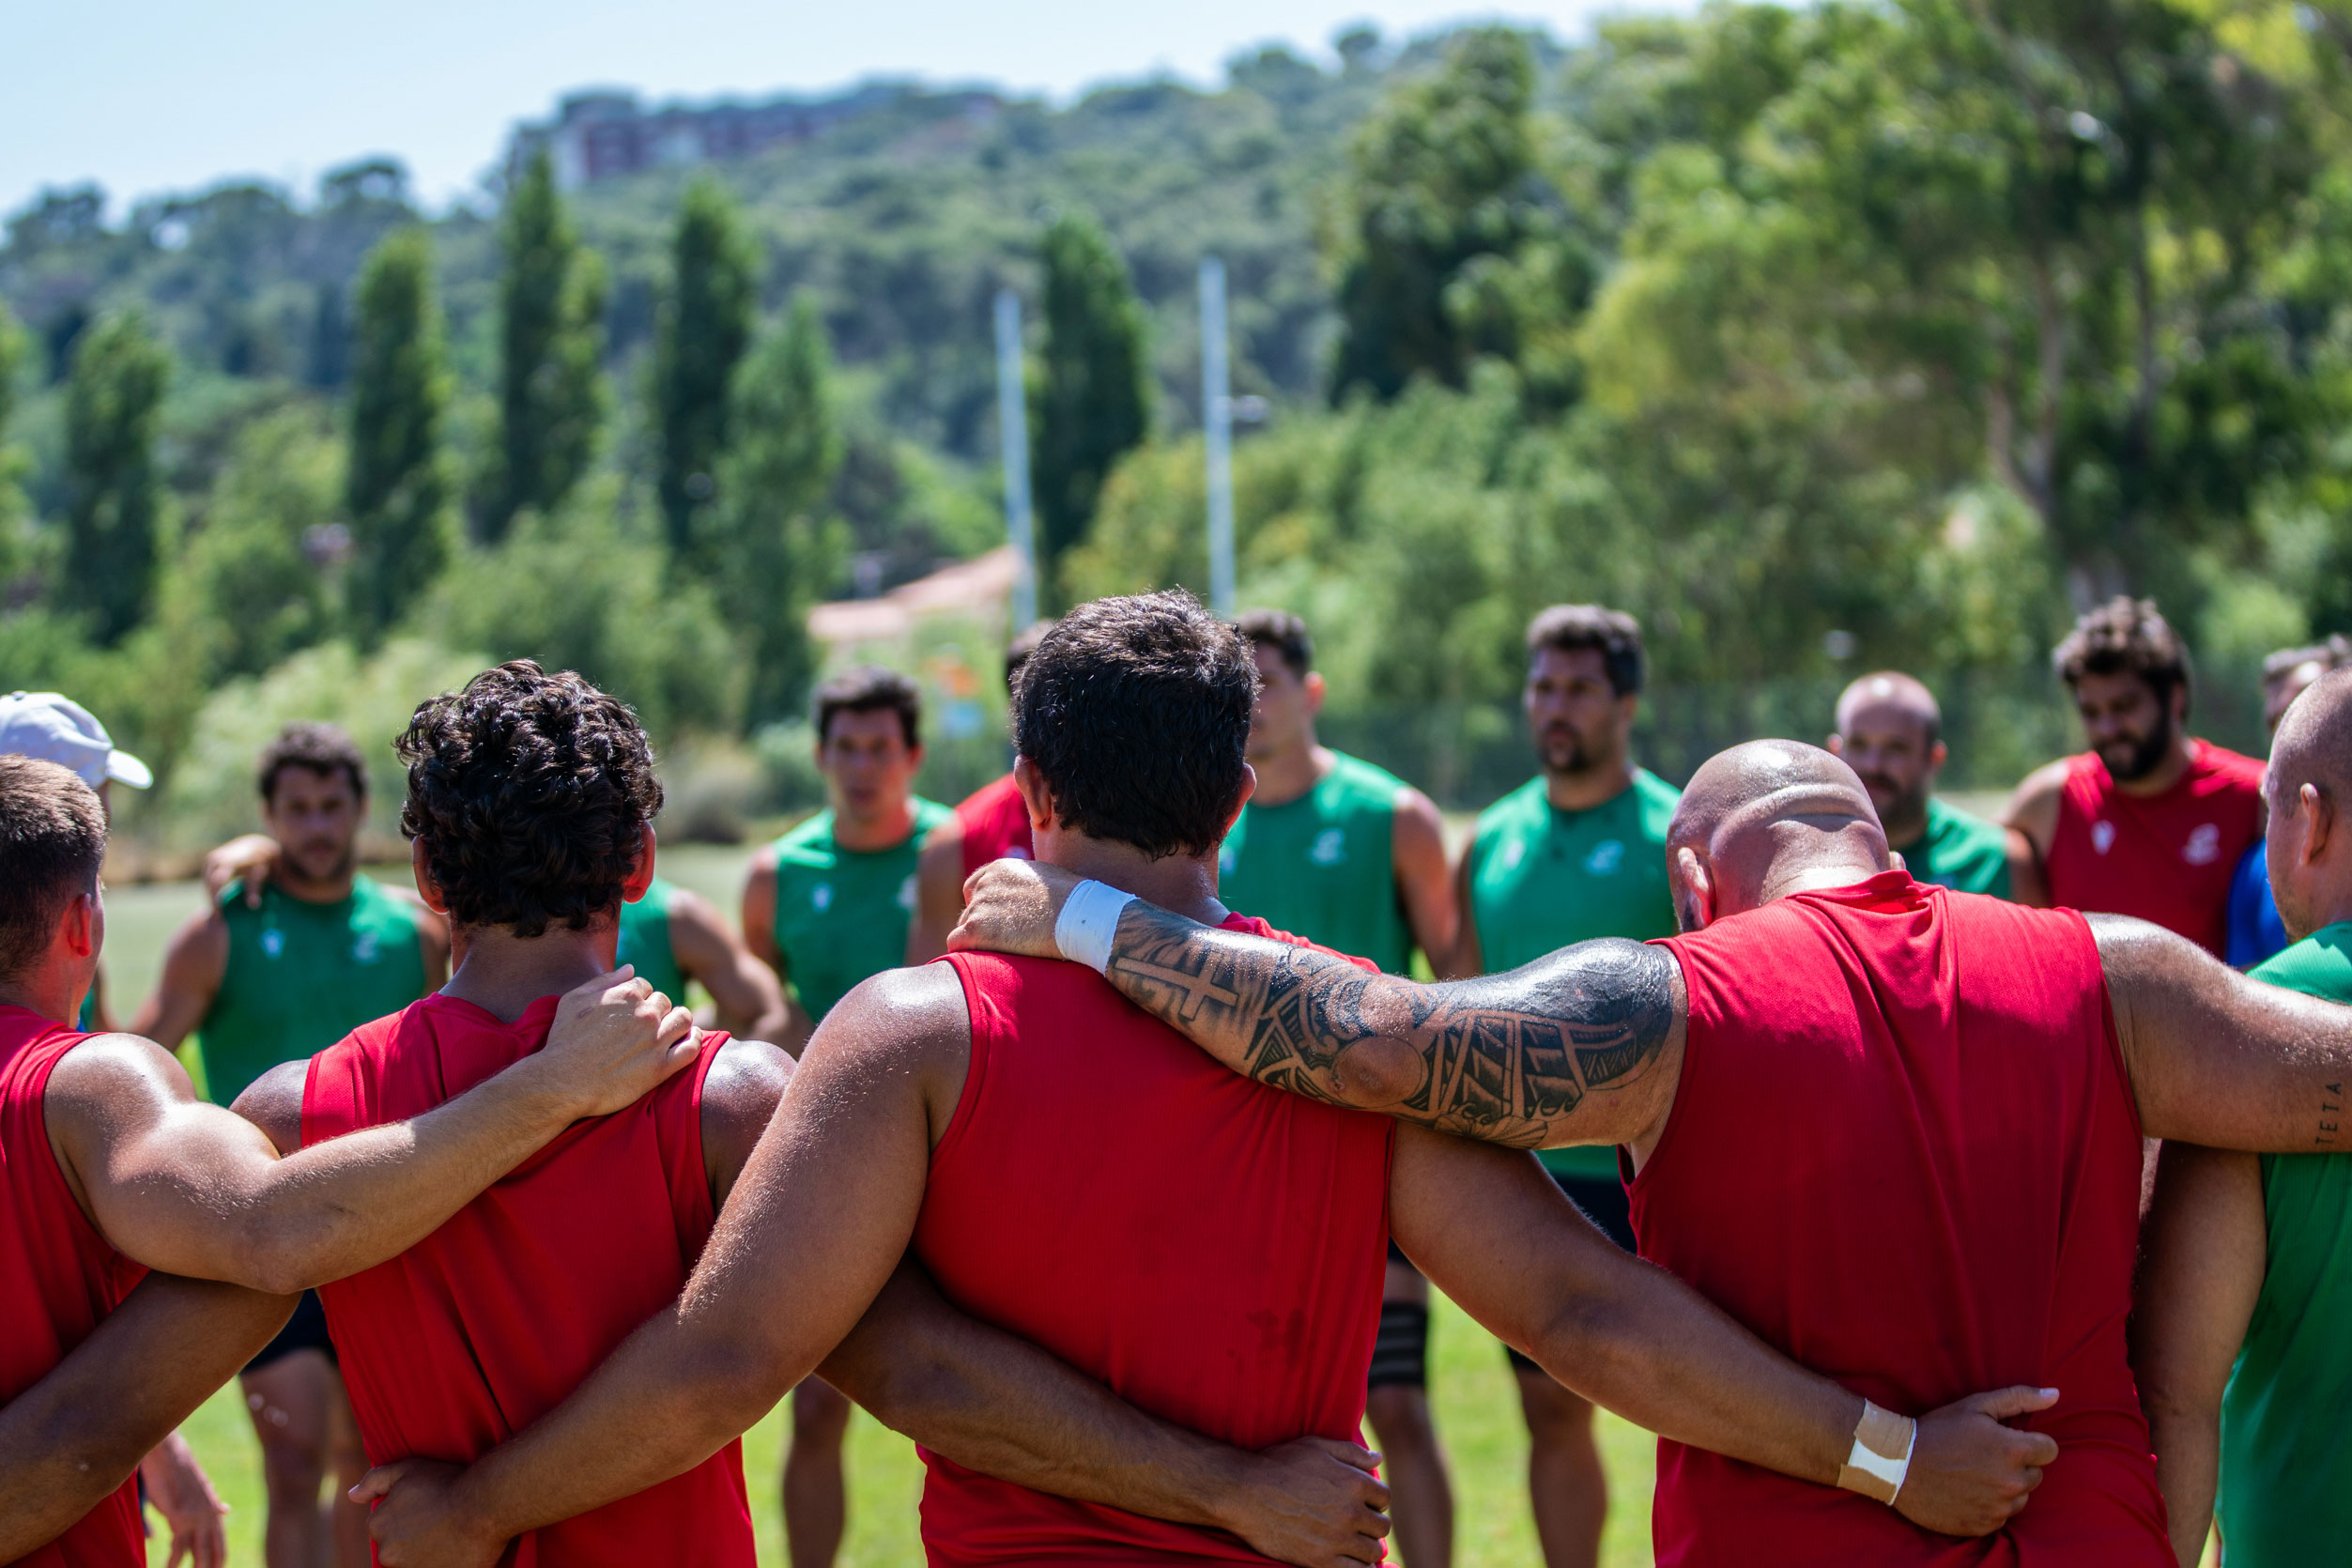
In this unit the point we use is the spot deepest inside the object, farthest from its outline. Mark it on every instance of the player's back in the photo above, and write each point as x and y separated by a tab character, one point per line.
1211	1249
493	1319
1904	1152
58	1277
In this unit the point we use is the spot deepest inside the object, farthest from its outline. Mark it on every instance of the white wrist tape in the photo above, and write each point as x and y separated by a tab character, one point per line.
1881	1459
1088	923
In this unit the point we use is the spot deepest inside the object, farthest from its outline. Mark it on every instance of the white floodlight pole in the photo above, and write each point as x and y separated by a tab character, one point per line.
1012	419
1217	423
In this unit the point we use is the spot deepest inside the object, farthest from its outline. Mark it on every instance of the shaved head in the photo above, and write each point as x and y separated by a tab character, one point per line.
1766	819
1889	689
1887	732
2315	741
2309	791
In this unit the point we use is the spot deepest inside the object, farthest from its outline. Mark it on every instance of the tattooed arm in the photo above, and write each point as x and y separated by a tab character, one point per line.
1582	1047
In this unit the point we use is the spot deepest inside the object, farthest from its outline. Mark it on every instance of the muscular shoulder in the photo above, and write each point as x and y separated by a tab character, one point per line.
273	1102
739	1096
910	1022
199	947
2034	806
109	1084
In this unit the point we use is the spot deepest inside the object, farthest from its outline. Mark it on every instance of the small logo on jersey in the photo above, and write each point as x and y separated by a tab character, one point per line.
906	894
2205	845
1606	858
1329	847
273	942
1512	852
821	897
364	949
2102	837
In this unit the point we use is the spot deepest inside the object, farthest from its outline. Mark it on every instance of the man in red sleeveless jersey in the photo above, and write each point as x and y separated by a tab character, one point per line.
110	1165
1894	1129
989	824
1073	1172
531	801
2151	821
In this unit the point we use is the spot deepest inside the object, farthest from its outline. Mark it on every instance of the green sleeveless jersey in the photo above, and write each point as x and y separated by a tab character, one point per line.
1541	878
2286	1450
1965	853
1320	867
645	942
842	915
301	976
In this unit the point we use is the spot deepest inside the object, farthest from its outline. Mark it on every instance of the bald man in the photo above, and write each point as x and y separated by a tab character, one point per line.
1861	1113
1889	732
2243	1365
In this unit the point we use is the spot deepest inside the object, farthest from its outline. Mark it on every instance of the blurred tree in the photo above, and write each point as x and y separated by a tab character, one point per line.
706	327
1444	173
776	549
551	389
114	496
397	488
1091	397
250	582
14	349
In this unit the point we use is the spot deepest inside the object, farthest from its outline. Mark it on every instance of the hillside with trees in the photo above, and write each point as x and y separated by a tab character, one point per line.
1819	338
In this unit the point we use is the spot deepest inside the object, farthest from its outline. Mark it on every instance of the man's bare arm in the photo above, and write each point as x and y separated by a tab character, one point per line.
75	1436
1494	1233
2218	1059
1580	1047
938	891
2204	1251
195	961
1424	883
191	1188
2030	826
750	999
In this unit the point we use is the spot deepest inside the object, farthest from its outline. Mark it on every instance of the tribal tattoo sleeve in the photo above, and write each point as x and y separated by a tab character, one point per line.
1506	1058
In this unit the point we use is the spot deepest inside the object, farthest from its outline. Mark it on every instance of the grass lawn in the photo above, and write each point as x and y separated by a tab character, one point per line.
1477	1405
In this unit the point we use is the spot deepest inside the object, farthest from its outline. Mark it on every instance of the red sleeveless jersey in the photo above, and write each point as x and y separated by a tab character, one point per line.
1905	1153
58	1277
2165	858
496	1317
995	824
1210	1248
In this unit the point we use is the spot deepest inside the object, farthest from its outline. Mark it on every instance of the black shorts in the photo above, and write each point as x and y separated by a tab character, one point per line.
1604	1202
305	1330
1400	1351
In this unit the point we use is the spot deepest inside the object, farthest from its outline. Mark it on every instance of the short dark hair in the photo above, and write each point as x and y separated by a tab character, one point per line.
1283	632
870	688
1017	651
2125	637
323	748
53	844
1137	711
2334	653
1610	633
530	792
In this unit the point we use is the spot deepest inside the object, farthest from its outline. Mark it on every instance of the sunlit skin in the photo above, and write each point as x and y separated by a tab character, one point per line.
870	773
1583	731
1282	745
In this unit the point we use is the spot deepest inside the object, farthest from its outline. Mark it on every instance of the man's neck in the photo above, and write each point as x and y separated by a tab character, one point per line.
1284	776
503	974
1177	882
1811	874
1582	792
885	829
2165	774
49	993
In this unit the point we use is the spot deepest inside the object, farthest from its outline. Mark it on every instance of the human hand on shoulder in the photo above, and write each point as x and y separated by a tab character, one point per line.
1970	1474
614	1039
420	1518
252	858
1312	1502
1011	906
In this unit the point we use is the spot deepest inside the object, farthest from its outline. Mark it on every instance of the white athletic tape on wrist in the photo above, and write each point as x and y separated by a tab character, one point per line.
1881	1459
1088	921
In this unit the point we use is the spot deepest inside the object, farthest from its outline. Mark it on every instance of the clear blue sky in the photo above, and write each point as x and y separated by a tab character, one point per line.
144	96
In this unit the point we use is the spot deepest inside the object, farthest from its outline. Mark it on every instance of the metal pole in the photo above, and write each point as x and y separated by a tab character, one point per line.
1012	419
1217	423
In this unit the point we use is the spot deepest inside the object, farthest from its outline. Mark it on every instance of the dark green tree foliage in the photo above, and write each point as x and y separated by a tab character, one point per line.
551	389
14	349
398	489
1444	174
775	551
706	327
1090	400
114	496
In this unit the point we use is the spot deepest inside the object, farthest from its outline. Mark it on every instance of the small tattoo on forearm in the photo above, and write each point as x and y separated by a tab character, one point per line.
2331	1111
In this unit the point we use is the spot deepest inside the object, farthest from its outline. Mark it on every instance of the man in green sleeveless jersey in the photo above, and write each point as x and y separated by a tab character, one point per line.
673	935
275	972
1347	854
2239	1330
1578	853
1887	732
829	905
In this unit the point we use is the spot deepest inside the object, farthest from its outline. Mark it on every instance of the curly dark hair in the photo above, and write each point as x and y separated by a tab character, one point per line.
530	792
2125	637
1137	711
323	748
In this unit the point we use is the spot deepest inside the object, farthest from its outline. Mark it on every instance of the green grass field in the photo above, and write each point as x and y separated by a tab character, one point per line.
1477	1406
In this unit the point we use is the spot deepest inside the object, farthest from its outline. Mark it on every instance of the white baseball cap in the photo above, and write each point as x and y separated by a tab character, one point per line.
57	728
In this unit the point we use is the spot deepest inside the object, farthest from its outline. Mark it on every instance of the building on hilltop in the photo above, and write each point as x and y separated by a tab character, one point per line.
604	133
